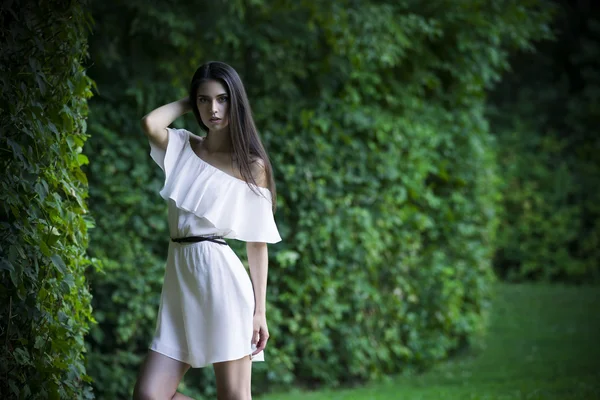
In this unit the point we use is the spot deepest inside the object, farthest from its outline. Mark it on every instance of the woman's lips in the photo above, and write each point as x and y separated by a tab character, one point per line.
214	119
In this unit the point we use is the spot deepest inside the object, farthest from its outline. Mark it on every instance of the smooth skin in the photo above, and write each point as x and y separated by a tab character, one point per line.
159	375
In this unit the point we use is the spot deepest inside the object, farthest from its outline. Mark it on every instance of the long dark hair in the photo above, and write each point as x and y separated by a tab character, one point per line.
247	146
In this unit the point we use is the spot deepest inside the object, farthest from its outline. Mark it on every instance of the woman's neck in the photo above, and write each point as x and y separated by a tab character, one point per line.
218	142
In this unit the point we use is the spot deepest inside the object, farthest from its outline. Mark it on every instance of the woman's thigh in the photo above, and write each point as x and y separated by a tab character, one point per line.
234	379
159	377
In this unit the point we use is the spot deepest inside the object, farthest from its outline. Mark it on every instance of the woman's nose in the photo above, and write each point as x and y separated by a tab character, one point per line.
213	107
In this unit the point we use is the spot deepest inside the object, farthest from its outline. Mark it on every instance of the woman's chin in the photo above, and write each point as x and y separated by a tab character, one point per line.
217	127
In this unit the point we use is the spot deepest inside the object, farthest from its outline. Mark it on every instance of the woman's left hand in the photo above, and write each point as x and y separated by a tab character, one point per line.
260	333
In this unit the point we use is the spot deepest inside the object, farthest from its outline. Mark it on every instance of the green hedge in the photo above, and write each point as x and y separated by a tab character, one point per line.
374	118
545	116
44	298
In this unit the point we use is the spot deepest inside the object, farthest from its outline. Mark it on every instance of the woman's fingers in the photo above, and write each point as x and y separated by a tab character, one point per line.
260	334
262	341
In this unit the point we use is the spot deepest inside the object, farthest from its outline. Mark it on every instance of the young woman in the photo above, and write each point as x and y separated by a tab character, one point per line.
219	186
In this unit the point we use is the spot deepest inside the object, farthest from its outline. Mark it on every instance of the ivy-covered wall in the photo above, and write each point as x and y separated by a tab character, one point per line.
44	298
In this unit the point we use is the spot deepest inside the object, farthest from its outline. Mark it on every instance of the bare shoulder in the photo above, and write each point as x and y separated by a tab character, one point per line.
259	172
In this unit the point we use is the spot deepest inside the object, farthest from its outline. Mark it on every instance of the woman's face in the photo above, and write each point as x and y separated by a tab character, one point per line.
212	101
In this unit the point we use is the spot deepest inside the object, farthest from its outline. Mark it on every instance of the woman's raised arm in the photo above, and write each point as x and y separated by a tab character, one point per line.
155	123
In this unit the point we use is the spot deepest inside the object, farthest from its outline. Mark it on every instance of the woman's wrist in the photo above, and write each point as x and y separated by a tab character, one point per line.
260	311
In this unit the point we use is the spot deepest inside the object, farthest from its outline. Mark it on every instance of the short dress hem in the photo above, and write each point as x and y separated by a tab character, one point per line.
181	356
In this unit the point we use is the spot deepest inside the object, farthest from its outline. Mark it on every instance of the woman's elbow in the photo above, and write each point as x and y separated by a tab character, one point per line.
146	124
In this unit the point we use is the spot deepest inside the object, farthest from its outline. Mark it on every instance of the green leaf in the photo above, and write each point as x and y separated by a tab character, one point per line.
59	263
82	159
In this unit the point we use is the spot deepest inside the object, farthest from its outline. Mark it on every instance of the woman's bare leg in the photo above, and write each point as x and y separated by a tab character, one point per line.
159	377
233	379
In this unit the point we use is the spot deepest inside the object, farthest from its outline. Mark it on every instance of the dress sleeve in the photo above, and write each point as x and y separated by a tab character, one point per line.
253	219
166	158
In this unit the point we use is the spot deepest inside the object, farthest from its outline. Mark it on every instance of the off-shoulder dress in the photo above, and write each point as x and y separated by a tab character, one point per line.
207	300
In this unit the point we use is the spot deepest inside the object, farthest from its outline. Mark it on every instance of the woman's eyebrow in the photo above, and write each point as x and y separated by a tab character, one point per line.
208	97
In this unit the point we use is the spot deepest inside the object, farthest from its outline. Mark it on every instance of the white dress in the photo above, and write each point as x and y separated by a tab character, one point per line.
207	300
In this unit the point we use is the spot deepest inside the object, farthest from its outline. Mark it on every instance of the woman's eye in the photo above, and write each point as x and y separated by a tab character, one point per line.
202	100
222	99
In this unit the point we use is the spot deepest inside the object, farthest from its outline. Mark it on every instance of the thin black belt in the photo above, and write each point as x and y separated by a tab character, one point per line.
194	239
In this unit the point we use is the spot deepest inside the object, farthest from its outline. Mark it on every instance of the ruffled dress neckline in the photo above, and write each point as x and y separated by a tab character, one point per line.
226	202
218	170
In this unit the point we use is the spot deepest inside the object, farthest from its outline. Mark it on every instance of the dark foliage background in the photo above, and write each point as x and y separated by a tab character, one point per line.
546	114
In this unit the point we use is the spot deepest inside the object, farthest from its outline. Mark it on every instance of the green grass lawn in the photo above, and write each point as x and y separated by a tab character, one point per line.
543	343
